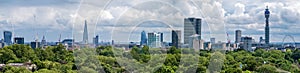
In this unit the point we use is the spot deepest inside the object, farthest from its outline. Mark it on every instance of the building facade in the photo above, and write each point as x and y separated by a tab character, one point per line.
176	38
96	41
7	37
154	40
143	38
43	42
191	26
238	36
247	43
212	40
35	44
19	40
85	33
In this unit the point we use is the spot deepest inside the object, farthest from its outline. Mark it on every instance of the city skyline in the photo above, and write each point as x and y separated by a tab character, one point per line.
54	18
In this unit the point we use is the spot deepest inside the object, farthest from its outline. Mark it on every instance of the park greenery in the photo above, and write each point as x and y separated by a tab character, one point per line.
56	59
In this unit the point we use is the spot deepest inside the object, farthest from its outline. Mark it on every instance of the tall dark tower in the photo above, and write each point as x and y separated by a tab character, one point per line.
267	28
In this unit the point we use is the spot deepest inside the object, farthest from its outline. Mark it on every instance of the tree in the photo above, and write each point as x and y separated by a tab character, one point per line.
6	55
23	52
266	69
10	69
233	70
46	71
173	50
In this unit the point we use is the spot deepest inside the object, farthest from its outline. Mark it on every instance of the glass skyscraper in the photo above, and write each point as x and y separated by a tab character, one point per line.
176	38
191	26
19	40
96	41
154	40
7	37
85	33
143	38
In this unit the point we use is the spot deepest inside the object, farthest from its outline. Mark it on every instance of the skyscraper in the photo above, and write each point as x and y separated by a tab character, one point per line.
267	28
161	37
176	38
43	42
85	33
143	38
7	37
247	43
154	40
191	26
213	40
96	41
19	40
238	36
35	44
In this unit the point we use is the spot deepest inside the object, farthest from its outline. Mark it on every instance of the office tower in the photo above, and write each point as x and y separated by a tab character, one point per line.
267	28
96	41
191	26
238	36
85	33
247	43
35	44
213	40
161	37
154	40
176	38
112	42
7	37
143	38
19	40
43	42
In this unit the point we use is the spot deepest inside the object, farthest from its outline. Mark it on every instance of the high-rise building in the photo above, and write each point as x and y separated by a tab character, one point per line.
191	26
213	40
35	44
267	28
85	33
96	41
176	38
43	42
247	43
154	40
7	37
143	38
19	40
112	42
161	37
238	36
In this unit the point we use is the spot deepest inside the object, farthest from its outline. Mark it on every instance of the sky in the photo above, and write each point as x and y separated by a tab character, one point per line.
124	20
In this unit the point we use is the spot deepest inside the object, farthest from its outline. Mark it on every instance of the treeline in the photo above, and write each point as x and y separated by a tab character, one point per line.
56	59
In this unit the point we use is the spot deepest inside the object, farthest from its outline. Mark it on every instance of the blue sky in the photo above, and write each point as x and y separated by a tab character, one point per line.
122	20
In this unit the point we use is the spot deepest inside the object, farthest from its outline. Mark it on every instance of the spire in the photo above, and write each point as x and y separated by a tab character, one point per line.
59	38
85	33
43	37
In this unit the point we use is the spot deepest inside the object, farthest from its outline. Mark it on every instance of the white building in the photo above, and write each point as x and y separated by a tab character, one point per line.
155	40
196	43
